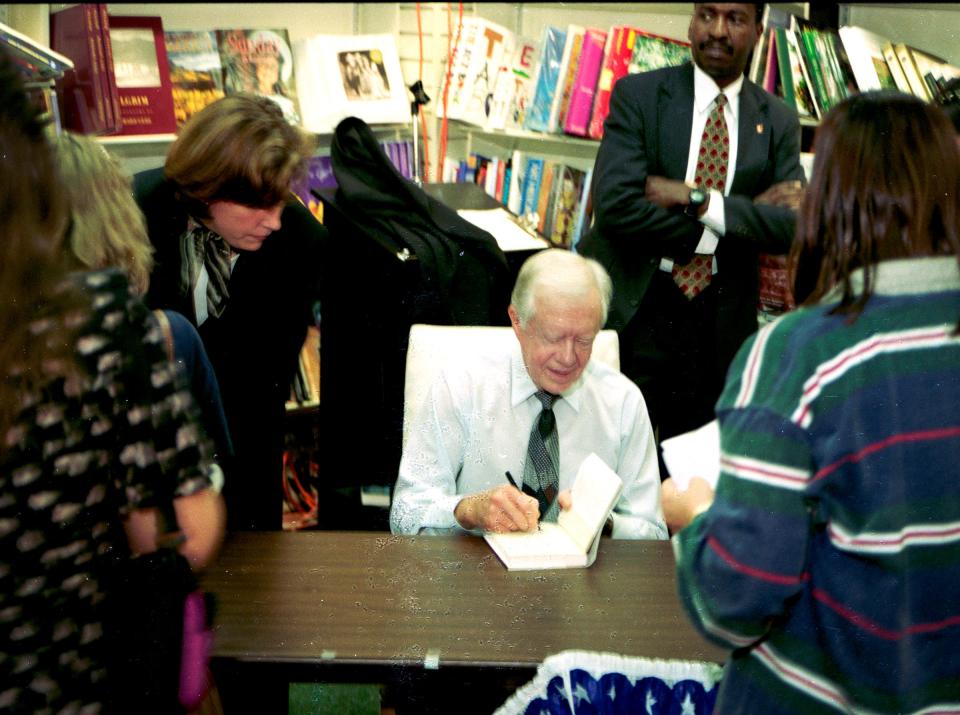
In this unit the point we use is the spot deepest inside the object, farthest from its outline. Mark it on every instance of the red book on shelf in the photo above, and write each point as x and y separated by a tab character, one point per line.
616	60
112	97
142	75
84	104
585	82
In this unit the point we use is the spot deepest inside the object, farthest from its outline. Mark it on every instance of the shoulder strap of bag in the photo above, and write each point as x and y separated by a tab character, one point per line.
169	533
167	332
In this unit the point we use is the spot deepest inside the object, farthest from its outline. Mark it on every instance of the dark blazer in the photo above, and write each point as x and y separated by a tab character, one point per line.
254	345
647	132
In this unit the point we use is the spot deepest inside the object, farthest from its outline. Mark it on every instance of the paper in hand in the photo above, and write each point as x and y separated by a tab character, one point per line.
694	454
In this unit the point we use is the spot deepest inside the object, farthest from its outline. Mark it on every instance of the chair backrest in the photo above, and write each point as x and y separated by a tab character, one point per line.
432	346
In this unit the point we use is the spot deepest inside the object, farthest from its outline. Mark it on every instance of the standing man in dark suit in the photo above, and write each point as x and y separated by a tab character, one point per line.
239	255
674	195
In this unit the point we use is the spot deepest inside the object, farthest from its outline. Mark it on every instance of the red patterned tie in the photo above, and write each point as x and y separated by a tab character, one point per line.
711	173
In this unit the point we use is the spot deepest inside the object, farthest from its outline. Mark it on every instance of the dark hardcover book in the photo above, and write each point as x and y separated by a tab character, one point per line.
80	89
113	94
143	75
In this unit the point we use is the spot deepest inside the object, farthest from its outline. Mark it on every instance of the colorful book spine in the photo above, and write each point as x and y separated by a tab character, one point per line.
73	35
102	41
515	196
111	78
585	82
785	69
584	211
896	70
917	84
532	178
545	199
548	75
770	76
568	68
524	68
616	59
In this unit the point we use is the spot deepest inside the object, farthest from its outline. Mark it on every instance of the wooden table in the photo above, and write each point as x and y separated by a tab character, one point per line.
372	607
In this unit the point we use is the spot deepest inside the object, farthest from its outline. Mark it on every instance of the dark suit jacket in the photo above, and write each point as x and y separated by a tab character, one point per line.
254	345
647	132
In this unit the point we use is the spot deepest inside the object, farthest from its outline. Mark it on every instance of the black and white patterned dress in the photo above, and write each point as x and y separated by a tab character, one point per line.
87	447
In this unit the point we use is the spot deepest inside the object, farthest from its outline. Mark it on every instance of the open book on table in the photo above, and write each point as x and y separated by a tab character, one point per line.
572	541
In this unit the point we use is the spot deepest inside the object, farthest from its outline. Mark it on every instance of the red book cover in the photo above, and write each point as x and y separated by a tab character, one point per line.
615	62
112	97
501	174
585	82
775	295
142	74
73	35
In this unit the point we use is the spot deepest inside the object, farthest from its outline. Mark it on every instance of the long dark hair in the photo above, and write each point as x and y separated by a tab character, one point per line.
885	185
33	220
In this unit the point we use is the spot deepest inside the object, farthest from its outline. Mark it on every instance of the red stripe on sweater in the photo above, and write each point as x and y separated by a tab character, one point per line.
866	624
918	436
752	571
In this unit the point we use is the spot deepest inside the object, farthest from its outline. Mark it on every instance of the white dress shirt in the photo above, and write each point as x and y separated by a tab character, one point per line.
474	427
705	91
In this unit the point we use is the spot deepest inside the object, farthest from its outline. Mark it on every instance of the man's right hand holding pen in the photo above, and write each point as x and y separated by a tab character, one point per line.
502	509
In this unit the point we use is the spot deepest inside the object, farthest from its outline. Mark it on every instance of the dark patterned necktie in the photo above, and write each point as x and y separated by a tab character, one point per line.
201	246
541	473
711	173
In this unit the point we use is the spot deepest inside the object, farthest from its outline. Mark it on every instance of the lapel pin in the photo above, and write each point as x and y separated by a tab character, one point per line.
759	129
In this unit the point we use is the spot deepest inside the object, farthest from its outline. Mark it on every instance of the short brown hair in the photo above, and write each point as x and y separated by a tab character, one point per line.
885	185
239	149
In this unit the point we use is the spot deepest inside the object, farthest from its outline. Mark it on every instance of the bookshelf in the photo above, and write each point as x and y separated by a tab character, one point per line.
148	151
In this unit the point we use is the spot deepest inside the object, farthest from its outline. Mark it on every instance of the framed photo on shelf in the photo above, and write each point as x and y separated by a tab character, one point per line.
340	76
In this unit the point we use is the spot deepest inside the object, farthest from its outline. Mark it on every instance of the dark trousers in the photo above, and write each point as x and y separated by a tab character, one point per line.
669	349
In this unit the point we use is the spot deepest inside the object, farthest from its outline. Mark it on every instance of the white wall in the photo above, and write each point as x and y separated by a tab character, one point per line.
935	28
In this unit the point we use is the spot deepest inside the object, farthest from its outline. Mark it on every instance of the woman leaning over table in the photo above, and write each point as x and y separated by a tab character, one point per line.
830	556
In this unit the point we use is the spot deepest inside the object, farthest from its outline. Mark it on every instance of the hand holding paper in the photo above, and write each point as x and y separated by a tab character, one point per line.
694	454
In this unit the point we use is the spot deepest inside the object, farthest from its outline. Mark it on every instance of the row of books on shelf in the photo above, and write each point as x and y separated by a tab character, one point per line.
131	77
559	83
549	197
813	69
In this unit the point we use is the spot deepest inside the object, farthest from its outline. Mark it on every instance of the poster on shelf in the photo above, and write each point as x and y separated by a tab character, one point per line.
340	76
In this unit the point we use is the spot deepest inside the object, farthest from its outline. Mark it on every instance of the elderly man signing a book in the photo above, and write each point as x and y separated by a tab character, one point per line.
501	435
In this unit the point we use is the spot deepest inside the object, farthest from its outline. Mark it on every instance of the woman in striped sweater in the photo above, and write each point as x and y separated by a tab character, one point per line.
829	559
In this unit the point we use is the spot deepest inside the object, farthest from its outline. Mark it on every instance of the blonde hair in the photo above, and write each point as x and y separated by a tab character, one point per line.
107	226
239	149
